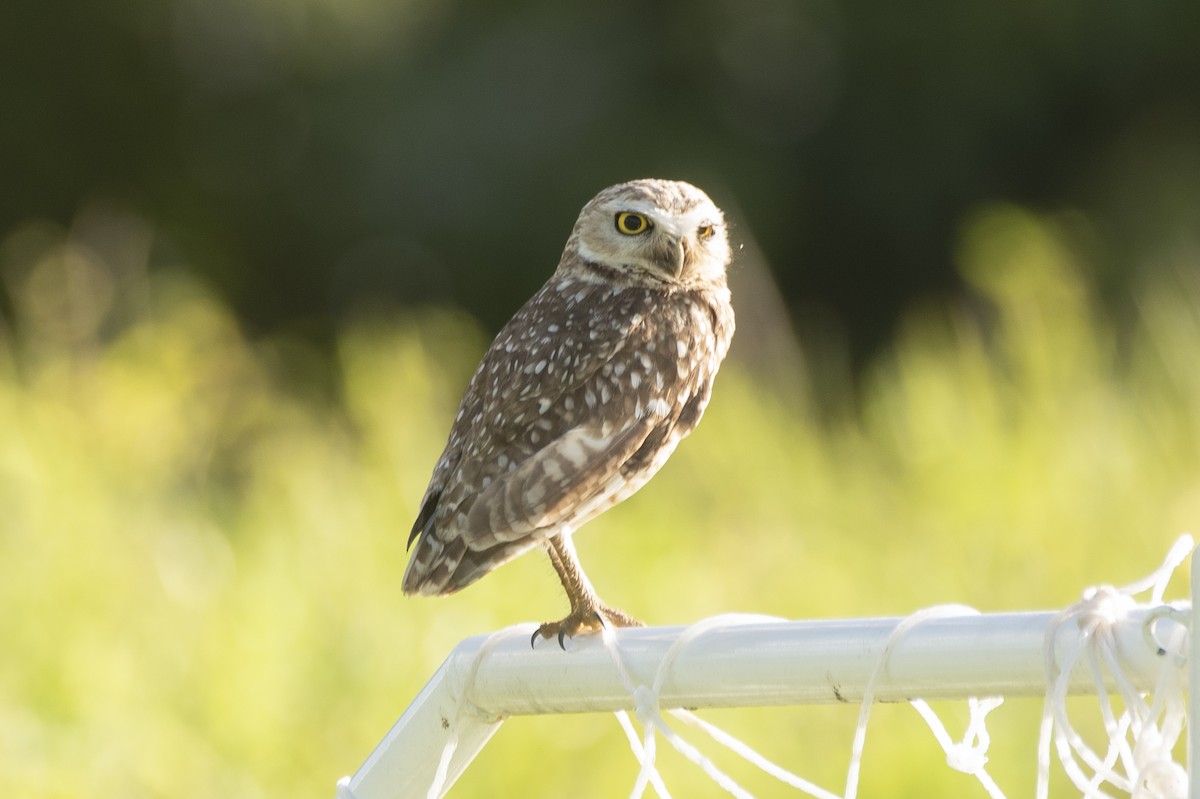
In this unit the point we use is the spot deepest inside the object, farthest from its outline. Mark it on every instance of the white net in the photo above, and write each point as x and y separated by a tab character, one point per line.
1139	758
1142	719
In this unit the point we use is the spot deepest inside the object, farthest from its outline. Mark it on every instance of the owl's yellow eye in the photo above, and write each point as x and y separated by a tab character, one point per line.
705	231
632	224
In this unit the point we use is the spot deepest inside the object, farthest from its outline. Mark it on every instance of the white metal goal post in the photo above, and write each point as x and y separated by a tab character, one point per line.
740	661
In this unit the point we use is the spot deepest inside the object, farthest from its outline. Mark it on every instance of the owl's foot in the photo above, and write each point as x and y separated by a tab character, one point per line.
586	618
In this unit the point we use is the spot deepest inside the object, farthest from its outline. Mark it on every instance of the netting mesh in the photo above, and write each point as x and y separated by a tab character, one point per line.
1138	760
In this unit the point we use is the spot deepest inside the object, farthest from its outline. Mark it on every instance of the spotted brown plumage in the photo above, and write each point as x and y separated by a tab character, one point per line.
583	395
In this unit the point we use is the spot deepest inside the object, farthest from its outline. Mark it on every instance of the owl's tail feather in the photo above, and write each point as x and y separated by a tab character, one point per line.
432	566
424	522
438	568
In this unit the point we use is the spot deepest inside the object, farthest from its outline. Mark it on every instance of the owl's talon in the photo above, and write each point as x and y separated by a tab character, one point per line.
583	620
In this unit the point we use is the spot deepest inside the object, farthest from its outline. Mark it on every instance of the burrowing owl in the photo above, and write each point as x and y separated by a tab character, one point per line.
583	395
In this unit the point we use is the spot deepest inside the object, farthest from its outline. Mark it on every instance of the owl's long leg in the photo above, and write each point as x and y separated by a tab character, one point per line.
587	611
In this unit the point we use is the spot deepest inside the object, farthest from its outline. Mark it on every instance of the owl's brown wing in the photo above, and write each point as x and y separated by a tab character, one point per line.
559	484
573	477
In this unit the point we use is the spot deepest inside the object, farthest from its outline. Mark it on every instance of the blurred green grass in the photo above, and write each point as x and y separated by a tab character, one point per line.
199	564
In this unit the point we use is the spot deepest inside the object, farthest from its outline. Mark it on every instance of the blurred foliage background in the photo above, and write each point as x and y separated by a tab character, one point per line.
250	253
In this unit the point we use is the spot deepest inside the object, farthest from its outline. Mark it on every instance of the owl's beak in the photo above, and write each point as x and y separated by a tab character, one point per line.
673	255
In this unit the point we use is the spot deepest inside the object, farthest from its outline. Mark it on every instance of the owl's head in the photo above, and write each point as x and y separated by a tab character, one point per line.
660	232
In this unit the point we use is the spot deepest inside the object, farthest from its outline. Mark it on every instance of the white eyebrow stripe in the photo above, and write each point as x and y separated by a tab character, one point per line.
640	206
700	216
